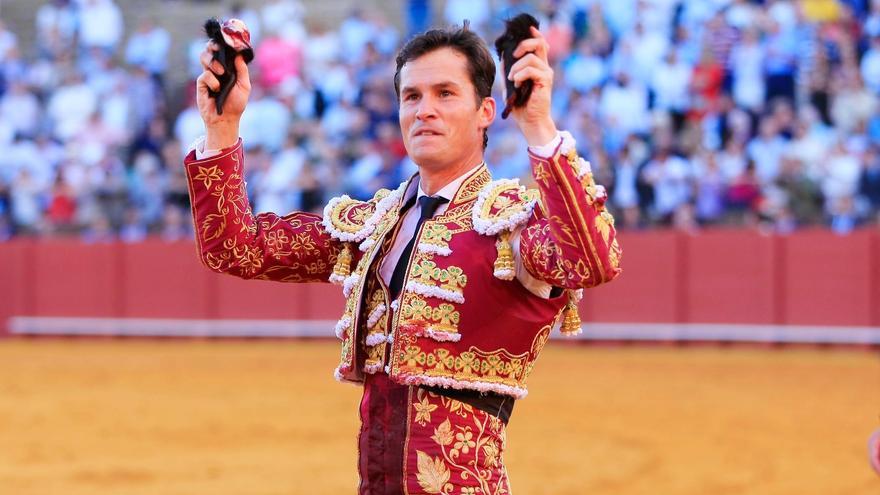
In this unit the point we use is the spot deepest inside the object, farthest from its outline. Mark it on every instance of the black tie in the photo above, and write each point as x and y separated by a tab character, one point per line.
428	205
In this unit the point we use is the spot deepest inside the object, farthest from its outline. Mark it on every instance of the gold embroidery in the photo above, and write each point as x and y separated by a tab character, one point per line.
446	317
540	172
569	199
457	407
213	226
426	272
348	215
471	365
377	297
504	263
472	186
436	234
423	411
571	321
292	248
342	268
416	310
209	175
505	201
375	355
453	279
433	475
443	433
469	449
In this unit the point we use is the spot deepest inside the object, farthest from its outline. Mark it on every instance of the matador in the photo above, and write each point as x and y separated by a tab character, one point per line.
452	281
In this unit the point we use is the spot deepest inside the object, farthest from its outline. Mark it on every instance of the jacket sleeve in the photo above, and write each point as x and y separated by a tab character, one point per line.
569	240
231	239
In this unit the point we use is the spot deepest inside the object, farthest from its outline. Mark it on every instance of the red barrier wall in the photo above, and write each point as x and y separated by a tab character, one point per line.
807	278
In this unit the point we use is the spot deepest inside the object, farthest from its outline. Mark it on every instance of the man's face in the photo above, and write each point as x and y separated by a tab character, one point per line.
441	122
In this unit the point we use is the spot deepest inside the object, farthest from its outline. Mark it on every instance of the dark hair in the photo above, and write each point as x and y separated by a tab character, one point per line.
480	64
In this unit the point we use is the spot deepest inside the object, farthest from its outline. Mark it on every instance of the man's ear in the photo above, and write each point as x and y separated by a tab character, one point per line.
487	112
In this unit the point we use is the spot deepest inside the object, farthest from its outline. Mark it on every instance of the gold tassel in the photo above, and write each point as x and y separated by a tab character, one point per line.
342	268
504	267
571	322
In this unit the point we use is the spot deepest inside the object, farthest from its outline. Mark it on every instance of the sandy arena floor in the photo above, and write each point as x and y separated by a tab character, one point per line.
129	417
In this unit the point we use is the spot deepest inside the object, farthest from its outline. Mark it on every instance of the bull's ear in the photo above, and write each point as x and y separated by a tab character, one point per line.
516	30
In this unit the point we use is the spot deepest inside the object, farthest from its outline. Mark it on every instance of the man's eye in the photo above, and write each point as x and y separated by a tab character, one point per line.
411	97
445	93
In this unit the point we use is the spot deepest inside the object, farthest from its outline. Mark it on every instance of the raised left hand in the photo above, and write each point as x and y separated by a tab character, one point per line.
534	119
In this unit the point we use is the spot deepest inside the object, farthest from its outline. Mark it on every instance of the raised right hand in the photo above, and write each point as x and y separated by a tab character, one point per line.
221	131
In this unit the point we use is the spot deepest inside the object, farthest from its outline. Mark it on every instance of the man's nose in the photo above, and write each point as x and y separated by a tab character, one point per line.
426	109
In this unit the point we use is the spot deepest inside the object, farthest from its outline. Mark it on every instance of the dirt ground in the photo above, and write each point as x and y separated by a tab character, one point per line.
138	417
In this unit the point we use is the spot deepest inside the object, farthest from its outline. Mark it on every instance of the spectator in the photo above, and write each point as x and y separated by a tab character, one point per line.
418	16
746	62
708	206
780	54
283	17
869	181
148	48
843	217
584	69
810	144
852	104
624	188
476	11
354	33
71	106
133	229
840	179
266	122
623	108
648	48
8	43
671	178
20	108
766	150
742	14
720	38
174	224
706	81
100	25
61	211
743	196
802	194
56	25
671	85
188	127
278	59
870	66
26	202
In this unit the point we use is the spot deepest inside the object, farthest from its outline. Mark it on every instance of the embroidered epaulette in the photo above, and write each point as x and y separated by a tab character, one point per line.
502	206
348	220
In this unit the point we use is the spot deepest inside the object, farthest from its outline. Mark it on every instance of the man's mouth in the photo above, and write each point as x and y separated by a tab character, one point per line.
426	132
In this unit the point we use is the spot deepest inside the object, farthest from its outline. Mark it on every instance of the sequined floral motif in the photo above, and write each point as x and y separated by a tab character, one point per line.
455	449
231	239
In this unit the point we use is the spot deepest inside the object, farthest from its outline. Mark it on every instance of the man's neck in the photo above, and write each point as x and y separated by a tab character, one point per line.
432	181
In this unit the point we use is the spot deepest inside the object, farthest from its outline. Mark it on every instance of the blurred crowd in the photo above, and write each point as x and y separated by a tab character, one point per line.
693	113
